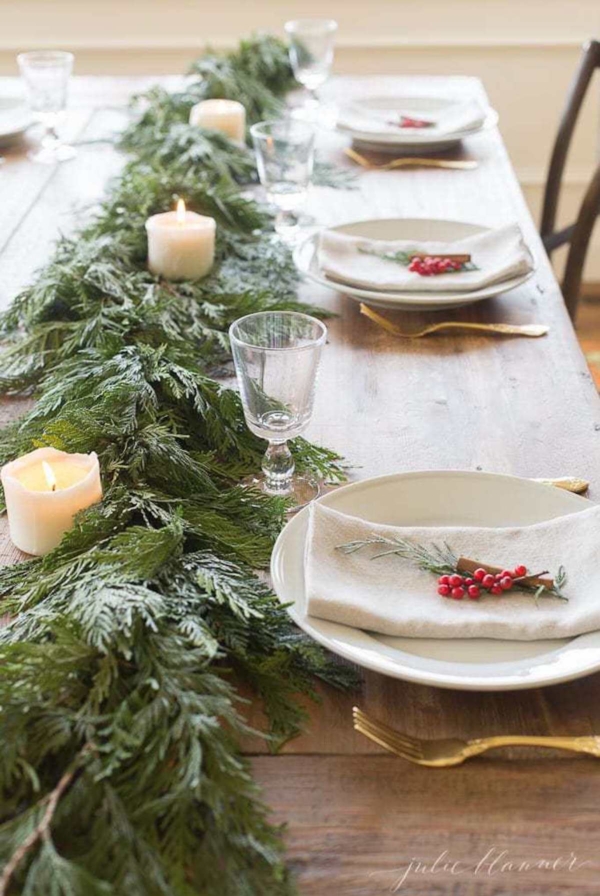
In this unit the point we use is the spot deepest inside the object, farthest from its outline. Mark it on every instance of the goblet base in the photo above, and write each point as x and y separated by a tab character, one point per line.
303	490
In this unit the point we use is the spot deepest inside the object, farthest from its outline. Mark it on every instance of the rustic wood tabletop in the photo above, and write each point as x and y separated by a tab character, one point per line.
360	821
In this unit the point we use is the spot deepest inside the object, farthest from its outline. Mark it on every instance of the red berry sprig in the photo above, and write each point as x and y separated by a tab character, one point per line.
431	265
406	121
457	587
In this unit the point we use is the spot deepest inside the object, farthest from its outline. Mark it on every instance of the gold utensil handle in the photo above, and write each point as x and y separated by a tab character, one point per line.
569	484
574	744
531	330
408	161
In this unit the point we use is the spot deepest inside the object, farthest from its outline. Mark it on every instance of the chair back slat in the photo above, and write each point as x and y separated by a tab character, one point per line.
578	234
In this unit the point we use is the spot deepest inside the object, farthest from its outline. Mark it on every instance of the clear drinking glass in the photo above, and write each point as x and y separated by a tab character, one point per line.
311	56
276	356
46	74
284	158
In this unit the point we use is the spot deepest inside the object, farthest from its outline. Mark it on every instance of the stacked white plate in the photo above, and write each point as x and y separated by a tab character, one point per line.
440	499
15	118
417	229
373	122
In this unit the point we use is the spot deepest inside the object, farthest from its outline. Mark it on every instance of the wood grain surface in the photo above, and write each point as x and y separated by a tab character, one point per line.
356	818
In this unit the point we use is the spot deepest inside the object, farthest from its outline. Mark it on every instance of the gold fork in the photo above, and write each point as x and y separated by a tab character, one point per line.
531	330
453	751
411	162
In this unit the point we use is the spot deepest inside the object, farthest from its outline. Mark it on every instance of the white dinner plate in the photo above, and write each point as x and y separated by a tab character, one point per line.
15	118
417	229
422	140
440	499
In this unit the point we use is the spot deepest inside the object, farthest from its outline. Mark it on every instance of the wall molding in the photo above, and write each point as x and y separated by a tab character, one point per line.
348	44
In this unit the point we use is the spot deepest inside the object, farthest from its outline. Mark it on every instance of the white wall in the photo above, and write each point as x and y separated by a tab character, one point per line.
524	50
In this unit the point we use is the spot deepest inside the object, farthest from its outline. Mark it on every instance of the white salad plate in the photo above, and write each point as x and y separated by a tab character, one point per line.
417	229
440	499
417	140
15	118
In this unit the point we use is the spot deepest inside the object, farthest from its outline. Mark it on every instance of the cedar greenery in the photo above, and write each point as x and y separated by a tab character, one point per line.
119	716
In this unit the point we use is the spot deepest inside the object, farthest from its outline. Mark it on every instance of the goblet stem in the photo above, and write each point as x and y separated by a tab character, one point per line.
312	102
286	225
278	467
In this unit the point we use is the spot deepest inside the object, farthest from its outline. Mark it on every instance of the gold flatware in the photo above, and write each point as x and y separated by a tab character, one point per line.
454	751
410	162
531	330
568	483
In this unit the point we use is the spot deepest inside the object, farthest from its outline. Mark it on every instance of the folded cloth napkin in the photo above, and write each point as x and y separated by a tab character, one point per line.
393	596
450	120
498	254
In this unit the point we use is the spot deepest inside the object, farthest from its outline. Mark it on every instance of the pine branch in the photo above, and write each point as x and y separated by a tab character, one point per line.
42	829
126	634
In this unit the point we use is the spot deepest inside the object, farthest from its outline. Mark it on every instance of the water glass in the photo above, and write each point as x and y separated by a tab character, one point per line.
284	158
46	75
276	356
311	56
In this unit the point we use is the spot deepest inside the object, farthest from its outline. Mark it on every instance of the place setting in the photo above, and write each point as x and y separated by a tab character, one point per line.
413	124
453	579
416	264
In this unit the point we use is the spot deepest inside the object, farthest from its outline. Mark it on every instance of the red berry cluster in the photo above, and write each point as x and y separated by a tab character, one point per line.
456	586
407	122
433	264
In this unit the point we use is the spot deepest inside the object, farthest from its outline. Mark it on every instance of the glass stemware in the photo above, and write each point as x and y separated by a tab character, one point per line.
311	56
284	158
276	356
46	75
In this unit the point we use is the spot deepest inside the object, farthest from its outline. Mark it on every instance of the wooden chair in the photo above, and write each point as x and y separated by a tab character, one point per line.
578	234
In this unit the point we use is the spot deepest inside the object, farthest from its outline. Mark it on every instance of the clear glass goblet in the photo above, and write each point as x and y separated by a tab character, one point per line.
311	44
276	356
46	75
284	158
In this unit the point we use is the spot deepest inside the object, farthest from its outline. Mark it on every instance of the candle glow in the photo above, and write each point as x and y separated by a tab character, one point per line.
49	474
181	244
44	490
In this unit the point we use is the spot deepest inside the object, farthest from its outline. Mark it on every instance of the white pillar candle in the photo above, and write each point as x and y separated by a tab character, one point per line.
226	116
44	490
181	244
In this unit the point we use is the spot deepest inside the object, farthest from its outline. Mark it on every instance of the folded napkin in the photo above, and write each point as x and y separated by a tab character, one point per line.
392	596
448	121
498	255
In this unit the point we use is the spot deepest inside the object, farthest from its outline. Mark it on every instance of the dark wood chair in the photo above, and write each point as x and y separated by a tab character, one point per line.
578	234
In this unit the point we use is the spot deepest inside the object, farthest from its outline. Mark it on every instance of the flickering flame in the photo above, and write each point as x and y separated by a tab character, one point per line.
49	475
181	211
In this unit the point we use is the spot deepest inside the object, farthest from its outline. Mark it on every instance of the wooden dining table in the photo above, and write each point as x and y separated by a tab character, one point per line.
360	821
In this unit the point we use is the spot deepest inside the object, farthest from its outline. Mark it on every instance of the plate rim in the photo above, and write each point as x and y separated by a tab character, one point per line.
490	121
417	301
381	660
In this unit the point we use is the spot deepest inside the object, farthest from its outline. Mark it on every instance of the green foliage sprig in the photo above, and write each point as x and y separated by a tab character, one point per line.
119	716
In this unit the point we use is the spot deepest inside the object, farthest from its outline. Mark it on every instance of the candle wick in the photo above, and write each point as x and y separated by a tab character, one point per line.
54	487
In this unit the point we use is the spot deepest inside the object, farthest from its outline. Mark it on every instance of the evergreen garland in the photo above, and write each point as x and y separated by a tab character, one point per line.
119	717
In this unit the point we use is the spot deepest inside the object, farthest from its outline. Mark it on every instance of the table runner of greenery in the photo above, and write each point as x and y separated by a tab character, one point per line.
119	714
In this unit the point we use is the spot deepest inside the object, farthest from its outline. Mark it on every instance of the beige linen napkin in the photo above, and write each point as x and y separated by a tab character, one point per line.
453	119
394	597
498	254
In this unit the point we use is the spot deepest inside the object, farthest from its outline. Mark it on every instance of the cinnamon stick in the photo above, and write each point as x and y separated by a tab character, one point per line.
461	259
465	565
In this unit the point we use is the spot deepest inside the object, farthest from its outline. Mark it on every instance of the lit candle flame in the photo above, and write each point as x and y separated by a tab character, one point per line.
49	474
180	212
